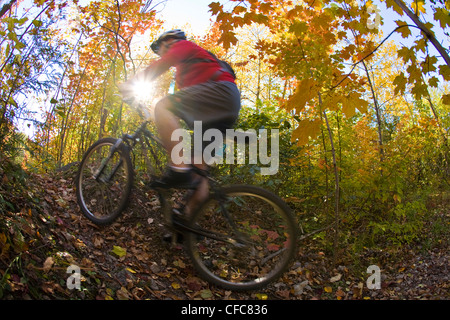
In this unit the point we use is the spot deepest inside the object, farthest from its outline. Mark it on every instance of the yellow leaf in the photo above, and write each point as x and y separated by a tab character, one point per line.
348	109
176	285
119	251
318	5
299	28
131	270
418	6
180	264
261	296
306	129
328	289
306	90
352	102
332	101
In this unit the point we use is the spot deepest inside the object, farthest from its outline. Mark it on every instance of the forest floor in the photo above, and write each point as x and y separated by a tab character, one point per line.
128	259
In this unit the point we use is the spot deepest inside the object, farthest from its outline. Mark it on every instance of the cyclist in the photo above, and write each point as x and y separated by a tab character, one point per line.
207	93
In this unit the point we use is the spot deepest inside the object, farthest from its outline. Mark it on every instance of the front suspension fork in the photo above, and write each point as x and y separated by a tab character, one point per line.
98	173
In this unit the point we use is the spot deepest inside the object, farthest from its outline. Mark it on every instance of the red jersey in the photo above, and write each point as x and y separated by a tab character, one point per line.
188	74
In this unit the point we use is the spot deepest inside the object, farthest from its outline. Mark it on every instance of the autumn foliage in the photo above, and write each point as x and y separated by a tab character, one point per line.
364	120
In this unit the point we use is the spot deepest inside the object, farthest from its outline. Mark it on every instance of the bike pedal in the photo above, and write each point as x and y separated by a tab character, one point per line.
173	238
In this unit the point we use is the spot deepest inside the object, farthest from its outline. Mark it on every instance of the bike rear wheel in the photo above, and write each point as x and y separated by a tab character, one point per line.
102	196
254	238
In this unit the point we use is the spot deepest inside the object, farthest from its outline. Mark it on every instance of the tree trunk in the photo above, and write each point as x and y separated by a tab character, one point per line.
336	184
378	114
6	7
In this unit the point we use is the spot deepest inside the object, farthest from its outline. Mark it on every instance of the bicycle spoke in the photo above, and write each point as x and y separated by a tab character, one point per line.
259	245
102	194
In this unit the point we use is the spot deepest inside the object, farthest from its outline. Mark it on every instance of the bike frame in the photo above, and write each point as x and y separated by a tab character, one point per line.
130	140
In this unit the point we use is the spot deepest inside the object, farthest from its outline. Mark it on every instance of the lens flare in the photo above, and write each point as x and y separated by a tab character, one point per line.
143	91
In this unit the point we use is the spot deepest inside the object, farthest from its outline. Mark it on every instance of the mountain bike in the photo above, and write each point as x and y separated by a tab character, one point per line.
241	238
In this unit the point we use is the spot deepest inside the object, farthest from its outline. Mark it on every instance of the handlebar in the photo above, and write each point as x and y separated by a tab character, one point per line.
140	107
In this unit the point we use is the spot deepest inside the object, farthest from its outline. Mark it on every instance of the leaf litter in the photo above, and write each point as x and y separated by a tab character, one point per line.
129	260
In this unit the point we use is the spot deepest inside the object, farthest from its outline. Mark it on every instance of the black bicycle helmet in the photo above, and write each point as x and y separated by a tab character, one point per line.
172	34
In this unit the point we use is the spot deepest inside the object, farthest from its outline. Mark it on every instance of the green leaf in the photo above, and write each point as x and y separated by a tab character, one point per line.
37	23
298	28
443	16
428	64
394	6
11	23
446	99
433	82
206	294
405	32
400	83
22	21
12	101
444	71
20	45
406	54
13	36
419	90
119	251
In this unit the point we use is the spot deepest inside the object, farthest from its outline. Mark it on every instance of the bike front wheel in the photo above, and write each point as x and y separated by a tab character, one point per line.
247	238
104	181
